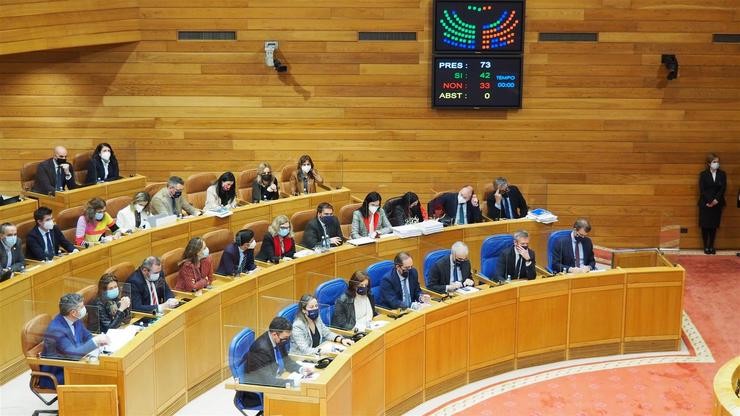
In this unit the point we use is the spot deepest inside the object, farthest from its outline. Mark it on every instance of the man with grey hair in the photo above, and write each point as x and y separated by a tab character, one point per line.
54	174
517	261
149	290
11	254
506	202
67	338
451	272
171	201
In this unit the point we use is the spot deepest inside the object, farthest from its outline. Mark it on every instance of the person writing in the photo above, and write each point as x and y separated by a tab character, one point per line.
355	308
574	253
278	242
196	269
103	165
304	179
309	331
113	310
94	224
135	215
407	210
265	185
150	293
222	194
451	272
400	288
170	200
370	220
712	186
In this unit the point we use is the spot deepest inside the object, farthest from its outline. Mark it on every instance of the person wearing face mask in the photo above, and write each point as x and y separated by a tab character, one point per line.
95	223
171	201
712	186
45	239
113	310
405	210
574	253
265	185
458	208
238	257
309	331
222	194
54	174
400	288
103	165
355	308
451	273
150	292
304	179
507	202
278	242
196	268
67	338
11	253
517	261
370	220
134	216
324	225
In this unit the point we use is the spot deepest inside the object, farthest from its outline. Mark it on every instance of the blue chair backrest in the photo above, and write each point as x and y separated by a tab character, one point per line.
377	271
490	251
376	293
431	258
238	351
327	293
551	245
289	312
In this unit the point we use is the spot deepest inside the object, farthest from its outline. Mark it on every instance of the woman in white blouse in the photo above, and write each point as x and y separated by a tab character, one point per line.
222	194
135	215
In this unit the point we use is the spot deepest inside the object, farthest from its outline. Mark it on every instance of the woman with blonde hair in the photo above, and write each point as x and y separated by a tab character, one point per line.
278	242
135	215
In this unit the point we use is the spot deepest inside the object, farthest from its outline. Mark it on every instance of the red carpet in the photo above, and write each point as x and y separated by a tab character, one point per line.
711	301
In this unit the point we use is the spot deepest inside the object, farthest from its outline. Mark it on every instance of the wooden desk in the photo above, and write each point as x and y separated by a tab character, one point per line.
726	402
79	196
18	212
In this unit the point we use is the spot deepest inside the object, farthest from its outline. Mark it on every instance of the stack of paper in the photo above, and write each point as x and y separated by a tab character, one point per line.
303	253
430	227
542	215
220	213
361	241
417	229
119	337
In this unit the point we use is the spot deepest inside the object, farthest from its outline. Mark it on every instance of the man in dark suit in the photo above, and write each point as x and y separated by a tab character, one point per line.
453	272
400	288
460	208
54	174
238	257
149	291
11	254
574	253
517	261
507	202
325	224
44	240
67	338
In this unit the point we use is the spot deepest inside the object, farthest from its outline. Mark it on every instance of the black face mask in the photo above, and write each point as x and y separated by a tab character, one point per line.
525	247
405	274
266	176
459	262
61	160
177	194
362	290
579	238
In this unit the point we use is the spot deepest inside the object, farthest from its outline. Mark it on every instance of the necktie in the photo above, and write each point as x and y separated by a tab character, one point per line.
242	264
60	182
137	219
509	211
153	294
518	267
455	274
49	246
174	207
279	359
460	214
406	294
9	253
578	253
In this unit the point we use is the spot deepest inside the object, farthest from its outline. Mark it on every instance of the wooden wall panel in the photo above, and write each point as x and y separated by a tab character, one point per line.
601	133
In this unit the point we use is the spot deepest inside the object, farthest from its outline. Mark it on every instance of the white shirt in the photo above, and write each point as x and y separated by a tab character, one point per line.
363	311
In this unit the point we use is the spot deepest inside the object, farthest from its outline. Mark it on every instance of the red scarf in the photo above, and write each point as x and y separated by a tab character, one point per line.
287	242
376	218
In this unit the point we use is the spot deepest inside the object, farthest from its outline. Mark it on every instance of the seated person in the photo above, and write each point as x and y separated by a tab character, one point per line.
265	186
506	202
309	331
304	179
94	224
238	258
574	253
11	253
196	268
136	215
407	210
113	310
150	292
460	208
103	165
517	261
451	273
370	220
45	237
54	174
67	338
222	194
278	242
324	225
355	308
169	200
400	289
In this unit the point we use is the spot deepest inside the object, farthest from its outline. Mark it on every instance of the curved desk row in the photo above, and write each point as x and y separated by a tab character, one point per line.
79	196
726	386
406	362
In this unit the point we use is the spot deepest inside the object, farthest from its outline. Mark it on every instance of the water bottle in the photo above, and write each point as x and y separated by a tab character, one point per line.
325	243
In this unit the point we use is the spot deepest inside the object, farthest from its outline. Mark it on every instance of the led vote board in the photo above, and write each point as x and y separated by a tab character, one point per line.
478	26
477	81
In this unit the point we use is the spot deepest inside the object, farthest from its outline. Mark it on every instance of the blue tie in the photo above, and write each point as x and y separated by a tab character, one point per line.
460	214
49	246
279	359
509	211
406	294
456	276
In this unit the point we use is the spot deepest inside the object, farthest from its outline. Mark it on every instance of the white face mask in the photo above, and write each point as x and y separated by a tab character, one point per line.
153	277
714	165
139	208
461	199
373	209
82	313
252	245
203	254
48	225
105	155
306	168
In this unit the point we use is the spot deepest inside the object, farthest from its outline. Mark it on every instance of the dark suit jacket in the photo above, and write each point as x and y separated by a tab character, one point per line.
140	298
95	171
563	257
261	365
506	266
710	189
267	251
230	261
518	205
35	243
17	254
59	343
439	274
104	319
313	232
260	193
46	178
448	202
344	311
391	296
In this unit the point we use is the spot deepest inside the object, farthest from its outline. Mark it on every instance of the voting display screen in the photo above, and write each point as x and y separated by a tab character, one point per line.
481	81
485	27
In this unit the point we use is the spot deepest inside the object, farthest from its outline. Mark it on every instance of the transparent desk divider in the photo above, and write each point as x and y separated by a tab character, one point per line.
669	238
272	306
36	328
